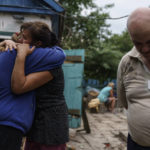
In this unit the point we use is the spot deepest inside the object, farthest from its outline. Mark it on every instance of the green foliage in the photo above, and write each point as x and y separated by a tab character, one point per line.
122	42
83	31
91	32
102	63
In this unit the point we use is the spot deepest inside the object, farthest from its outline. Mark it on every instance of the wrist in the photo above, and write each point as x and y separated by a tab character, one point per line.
21	55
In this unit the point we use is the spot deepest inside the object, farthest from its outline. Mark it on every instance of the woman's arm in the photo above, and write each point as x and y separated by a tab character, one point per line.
111	93
21	83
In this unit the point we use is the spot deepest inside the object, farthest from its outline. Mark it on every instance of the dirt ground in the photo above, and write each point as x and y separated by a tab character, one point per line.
108	132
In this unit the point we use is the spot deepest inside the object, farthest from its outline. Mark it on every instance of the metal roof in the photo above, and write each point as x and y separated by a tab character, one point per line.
31	6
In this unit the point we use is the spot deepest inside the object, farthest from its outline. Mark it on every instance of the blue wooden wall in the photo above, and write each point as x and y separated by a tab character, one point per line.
73	73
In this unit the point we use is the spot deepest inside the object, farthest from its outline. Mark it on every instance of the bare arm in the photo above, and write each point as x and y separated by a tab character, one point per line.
21	83
111	93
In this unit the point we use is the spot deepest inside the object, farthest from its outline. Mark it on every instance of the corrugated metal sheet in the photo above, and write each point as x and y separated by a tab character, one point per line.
30	6
55	5
27	10
73	73
18	3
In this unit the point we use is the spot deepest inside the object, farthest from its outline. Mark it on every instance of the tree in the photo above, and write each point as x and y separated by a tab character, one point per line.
121	42
103	64
82	31
91	32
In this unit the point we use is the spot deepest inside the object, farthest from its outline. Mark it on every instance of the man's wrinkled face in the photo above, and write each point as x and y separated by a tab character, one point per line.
139	30
142	44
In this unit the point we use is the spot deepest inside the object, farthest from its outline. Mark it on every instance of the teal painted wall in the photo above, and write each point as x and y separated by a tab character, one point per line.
73	74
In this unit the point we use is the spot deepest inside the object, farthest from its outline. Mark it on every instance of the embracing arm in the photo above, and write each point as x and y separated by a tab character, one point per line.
21	83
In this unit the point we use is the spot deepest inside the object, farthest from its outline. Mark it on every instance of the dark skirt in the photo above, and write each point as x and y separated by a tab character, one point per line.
37	146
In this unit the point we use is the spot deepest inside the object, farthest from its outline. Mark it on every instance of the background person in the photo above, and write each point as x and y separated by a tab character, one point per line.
107	96
133	81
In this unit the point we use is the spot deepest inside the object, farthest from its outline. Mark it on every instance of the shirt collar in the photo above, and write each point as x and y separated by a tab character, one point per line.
134	53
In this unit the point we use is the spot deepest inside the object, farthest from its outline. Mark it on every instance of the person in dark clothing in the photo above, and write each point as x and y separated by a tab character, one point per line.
50	129
17	109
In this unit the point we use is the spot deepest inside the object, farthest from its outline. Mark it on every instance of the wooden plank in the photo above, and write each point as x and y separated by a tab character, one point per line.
75	112
73	73
74	58
75	52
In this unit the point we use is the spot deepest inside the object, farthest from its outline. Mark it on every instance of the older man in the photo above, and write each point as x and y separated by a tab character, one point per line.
133	79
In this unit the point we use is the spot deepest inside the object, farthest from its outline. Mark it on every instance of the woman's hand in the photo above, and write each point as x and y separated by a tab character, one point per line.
24	49
8	44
